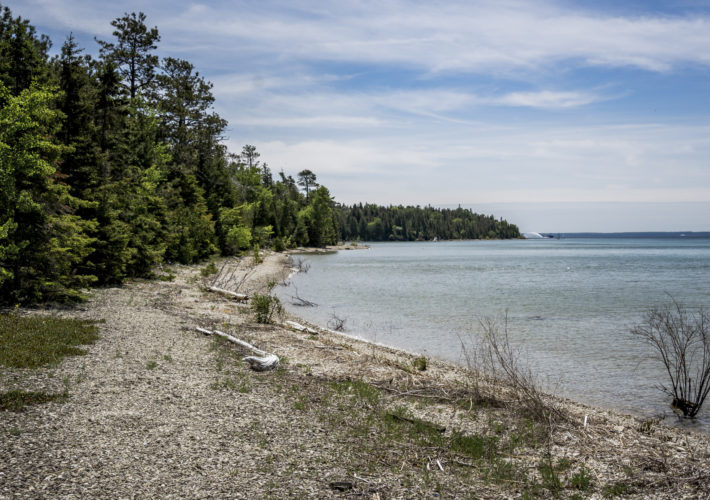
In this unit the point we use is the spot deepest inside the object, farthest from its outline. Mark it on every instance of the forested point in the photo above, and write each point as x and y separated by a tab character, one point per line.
397	223
111	165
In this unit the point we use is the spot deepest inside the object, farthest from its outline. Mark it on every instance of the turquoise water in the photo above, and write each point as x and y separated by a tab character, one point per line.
570	304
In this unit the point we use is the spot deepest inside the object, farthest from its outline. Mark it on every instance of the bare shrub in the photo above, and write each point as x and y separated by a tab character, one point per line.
505	363
681	340
336	323
299	264
495	358
230	276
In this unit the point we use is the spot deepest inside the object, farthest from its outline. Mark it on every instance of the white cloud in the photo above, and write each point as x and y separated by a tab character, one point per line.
462	36
547	99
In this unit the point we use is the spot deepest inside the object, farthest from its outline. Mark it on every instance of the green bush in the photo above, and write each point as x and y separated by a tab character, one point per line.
209	269
279	245
420	363
264	307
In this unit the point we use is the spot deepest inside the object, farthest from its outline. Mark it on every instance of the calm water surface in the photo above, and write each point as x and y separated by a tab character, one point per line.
570	304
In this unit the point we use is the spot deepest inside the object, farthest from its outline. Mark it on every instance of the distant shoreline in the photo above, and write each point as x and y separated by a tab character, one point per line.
645	235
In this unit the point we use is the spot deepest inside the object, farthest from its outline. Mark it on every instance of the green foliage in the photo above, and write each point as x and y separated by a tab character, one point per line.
233	223
475	446
35	341
131	52
265	307
23	54
582	480
550	477
279	245
257	256
420	363
399	223
17	400
209	269
41	240
359	390
316	224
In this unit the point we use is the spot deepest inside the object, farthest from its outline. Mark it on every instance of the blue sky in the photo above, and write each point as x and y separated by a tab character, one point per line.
558	115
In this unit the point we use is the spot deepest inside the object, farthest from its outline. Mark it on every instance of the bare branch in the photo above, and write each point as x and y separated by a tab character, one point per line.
681	341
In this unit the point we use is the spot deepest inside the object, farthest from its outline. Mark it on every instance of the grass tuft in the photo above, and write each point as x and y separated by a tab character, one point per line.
359	389
476	446
17	400
420	363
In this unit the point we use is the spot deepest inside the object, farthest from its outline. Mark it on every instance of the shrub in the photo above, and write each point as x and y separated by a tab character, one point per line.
335	322
503	361
279	245
420	363
264	307
209	269
681	340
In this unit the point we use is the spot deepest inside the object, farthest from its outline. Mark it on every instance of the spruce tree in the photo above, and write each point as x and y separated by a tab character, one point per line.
41	239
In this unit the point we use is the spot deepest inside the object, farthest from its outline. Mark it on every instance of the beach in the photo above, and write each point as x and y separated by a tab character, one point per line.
159	409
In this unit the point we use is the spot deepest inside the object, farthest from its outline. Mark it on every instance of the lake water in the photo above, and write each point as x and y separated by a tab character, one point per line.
570	304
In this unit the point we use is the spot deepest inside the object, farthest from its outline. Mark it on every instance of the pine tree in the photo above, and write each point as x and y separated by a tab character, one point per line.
131	53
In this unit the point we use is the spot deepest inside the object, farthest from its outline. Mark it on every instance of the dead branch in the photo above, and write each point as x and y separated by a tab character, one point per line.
241	297
299	301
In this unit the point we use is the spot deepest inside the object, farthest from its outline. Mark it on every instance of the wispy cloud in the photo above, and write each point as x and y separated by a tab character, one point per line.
482	36
548	99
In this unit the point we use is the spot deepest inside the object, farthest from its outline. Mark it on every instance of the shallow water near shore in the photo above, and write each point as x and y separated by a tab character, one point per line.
570	304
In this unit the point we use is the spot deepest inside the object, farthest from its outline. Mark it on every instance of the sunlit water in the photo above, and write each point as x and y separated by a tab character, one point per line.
570	304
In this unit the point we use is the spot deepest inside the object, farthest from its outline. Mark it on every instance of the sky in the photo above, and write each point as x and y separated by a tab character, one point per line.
559	116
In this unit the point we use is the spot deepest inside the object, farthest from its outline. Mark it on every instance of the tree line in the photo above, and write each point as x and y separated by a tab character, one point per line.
111	165
398	223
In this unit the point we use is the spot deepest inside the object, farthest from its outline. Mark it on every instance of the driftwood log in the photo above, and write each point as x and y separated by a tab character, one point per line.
263	360
242	297
299	327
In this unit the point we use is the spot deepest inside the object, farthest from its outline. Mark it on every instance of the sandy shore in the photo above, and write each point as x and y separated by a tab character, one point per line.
157	409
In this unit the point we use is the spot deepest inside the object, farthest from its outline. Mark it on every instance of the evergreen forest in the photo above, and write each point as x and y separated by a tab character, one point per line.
113	164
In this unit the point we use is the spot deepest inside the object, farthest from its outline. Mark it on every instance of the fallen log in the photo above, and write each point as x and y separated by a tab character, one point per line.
229	294
263	360
299	327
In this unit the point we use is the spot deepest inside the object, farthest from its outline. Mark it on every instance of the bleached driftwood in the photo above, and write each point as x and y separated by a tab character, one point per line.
299	327
261	362
232	295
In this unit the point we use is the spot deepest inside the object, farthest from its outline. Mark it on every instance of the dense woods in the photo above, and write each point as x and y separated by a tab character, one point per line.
398	223
111	165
